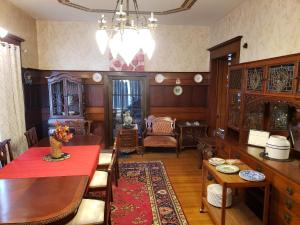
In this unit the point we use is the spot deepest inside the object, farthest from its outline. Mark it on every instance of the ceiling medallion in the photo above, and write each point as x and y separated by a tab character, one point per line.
186	5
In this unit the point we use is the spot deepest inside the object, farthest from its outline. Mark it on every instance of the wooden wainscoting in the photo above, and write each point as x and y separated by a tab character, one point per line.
94	113
181	113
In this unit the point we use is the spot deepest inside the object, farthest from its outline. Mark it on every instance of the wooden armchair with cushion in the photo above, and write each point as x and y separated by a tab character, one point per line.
160	133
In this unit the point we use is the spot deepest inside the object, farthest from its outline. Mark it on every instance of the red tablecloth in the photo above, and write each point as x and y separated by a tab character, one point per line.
83	161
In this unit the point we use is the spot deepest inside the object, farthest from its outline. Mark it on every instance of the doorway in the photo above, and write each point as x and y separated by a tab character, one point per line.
221	56
126	94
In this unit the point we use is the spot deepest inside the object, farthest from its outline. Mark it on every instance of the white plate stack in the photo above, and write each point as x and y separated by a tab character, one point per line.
214	195
278	147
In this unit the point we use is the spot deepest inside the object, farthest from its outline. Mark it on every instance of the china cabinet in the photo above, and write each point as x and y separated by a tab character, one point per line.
264	95
65	100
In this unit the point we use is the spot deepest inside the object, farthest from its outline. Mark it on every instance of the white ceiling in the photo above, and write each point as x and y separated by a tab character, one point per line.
203	12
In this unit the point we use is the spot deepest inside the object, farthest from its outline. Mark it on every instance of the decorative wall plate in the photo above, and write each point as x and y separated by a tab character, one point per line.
252	175
177	90
198	78
159	78
227	168
97	77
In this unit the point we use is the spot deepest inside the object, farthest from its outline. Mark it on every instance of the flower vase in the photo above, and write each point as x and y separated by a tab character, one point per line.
56	146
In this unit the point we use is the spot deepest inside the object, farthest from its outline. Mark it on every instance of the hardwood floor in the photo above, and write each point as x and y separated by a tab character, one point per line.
185	178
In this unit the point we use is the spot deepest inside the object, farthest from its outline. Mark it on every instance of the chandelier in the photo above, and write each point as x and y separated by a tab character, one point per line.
128	33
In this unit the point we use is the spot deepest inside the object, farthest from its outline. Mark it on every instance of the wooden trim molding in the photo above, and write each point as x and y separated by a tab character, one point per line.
12	39
186	5
238	38
231	46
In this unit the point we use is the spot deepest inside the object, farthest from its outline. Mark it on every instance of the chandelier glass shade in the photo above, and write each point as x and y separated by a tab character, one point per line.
128	34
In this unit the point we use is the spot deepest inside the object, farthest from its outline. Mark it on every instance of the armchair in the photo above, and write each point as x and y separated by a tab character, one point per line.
160	132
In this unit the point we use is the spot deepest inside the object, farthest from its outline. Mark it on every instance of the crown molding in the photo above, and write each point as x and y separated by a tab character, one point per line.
186	5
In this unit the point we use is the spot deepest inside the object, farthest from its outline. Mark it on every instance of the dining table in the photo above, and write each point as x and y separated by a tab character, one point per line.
35	191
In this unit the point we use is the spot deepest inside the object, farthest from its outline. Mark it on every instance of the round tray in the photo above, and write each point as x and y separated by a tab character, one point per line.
49	158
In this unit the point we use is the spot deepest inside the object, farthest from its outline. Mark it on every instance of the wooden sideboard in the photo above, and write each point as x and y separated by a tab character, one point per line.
283	176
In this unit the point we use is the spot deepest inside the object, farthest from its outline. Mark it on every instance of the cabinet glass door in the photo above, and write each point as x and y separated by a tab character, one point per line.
58	101
73	98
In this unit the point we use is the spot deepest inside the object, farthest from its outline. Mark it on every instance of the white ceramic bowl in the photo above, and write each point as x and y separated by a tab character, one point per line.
277	153
278	147
278	141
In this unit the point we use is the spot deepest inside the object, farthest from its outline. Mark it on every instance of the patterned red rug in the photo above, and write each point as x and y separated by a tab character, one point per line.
145	196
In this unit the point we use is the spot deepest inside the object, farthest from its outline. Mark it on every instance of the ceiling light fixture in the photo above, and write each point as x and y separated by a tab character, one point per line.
3	32
127	34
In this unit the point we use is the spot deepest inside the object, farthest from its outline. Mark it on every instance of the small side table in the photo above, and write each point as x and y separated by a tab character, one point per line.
238	213
188	134
128	139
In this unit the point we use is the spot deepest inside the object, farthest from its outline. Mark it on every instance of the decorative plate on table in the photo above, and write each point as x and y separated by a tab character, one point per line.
227	168
233	161
252	175
49	158
216	161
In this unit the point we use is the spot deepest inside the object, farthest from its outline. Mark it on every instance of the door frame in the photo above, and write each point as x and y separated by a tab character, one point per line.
218	52
108	98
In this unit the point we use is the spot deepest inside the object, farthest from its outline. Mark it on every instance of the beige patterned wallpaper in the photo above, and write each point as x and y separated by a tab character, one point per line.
69	46
180	48
19	23
270	27
72	46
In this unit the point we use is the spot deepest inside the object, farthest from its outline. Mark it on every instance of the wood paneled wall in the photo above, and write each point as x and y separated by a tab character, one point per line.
191	105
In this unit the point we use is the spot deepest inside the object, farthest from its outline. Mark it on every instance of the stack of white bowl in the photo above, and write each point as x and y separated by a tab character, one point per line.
214	195
278	147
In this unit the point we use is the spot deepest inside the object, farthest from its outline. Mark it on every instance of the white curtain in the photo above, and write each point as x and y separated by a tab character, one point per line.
12	113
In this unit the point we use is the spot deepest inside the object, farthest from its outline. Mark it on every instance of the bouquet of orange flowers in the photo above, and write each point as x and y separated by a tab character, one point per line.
62	132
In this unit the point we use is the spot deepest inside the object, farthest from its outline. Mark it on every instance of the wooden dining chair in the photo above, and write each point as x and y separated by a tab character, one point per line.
105	159
101	180
95	211
5	153
31	137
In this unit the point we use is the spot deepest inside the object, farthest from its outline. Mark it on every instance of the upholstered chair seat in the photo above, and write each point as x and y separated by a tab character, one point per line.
160	132
105	158
90	211
108	157
160	141
99	179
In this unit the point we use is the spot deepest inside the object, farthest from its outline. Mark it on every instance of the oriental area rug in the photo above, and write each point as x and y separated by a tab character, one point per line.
145	196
